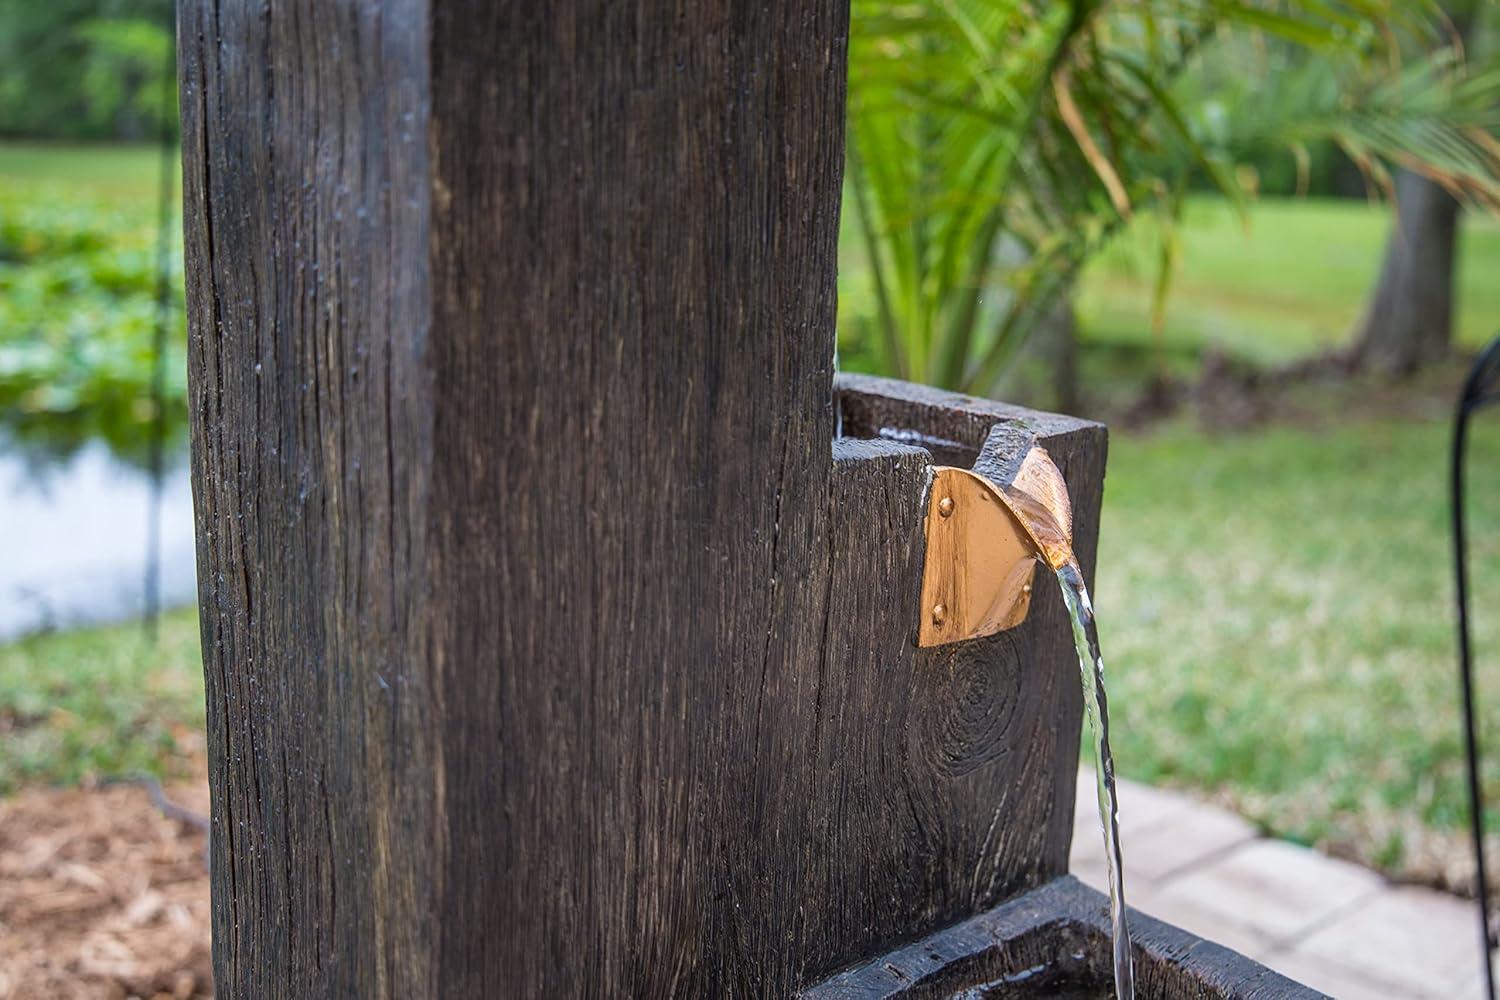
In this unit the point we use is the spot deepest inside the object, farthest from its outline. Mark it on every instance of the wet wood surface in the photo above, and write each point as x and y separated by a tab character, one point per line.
551	646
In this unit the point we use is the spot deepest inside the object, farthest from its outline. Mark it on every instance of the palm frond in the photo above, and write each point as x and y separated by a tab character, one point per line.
995	145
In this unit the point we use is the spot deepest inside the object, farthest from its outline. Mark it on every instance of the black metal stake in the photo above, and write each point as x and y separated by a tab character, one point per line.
1479	389
156	446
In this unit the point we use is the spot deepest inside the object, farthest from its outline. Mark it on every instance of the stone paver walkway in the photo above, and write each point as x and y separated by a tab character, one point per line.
1335	926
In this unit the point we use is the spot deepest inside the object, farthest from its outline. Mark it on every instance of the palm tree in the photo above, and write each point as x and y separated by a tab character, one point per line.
995	145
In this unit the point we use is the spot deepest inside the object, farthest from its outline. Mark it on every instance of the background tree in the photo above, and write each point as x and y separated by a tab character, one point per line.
83	69
1409	321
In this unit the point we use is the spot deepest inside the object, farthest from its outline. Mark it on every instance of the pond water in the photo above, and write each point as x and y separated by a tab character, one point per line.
73	538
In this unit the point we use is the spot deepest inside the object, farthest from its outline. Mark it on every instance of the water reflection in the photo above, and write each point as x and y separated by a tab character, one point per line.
73	514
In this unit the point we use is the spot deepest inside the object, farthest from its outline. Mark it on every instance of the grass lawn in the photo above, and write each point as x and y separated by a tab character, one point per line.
1276	614
1296	282
99	703
1275	611
112	172
78	298
1276	618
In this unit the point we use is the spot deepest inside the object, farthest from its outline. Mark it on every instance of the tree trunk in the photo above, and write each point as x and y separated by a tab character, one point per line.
1044	371
1409	322
1063	320
1410	319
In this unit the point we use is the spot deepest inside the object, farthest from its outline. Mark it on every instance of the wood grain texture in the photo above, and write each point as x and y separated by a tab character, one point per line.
550	650
634	234
1060	930
306	193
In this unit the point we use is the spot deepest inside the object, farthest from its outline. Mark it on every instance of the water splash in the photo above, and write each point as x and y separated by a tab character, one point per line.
1091	665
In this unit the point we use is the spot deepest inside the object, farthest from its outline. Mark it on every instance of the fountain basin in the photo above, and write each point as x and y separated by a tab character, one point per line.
1054	942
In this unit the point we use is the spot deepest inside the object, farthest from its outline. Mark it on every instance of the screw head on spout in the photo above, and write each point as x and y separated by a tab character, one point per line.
939	615
945	506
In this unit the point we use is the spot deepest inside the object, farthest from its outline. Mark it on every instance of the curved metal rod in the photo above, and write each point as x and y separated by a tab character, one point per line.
1481	388
155	457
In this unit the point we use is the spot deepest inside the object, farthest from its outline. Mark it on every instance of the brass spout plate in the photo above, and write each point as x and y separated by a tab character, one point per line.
1038	499
977	577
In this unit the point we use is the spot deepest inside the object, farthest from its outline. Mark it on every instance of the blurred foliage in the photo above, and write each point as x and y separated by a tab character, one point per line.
101	702
84	69
1290	285
78	282
995	146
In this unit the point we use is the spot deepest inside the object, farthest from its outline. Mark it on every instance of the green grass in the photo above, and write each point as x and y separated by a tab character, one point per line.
1277	605
1276	613
96	703
114	172
1296	282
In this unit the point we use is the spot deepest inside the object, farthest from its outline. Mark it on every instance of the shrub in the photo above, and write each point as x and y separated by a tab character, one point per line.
78	314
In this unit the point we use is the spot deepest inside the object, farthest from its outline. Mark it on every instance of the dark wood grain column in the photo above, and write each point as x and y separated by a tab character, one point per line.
551	648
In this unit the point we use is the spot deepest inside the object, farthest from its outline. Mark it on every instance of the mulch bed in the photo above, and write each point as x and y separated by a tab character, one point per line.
103	895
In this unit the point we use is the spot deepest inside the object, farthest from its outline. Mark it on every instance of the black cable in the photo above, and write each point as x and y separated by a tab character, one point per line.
156	445
171	810
1481	387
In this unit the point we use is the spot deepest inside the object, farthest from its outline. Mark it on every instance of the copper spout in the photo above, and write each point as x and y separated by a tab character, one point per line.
984	540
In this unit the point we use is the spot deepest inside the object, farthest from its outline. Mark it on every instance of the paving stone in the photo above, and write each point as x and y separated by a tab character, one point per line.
1141	806
1472	989
1207	924
1332	925
1415	938
1334	979
1278	889
1086	863
1189	840
1471	984
1161	833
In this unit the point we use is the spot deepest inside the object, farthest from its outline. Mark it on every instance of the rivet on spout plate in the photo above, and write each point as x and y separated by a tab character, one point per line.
939	615
945	506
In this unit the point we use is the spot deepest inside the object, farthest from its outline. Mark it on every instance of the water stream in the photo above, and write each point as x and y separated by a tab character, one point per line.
1091	665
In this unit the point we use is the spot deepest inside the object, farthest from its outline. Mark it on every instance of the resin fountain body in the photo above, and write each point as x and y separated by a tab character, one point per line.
555	644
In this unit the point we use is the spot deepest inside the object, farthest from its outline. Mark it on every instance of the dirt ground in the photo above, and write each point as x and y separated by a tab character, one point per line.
103	895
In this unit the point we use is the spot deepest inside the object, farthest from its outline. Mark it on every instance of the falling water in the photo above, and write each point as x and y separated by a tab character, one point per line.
1091	664
1038	498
